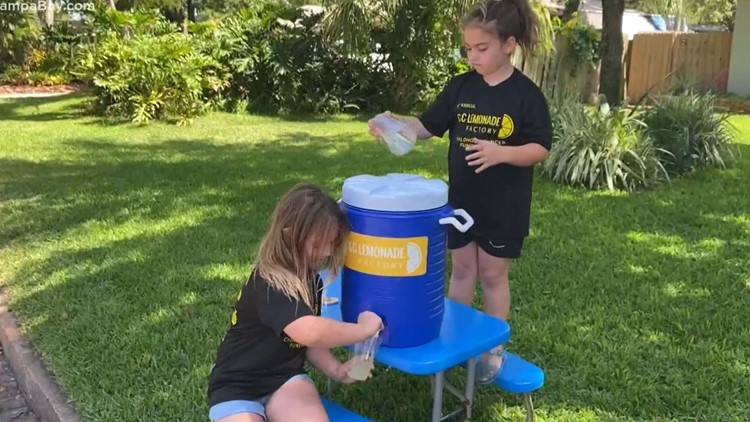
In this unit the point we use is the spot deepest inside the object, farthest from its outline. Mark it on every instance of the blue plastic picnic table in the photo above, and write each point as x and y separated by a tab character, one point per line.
465	334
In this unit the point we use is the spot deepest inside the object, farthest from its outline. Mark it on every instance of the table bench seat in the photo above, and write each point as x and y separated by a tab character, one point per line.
338	413
521	377
465	333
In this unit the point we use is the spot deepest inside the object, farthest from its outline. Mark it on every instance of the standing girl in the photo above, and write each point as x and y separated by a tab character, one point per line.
276	325
499	127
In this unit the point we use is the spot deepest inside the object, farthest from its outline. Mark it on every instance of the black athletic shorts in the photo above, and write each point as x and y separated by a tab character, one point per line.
499	248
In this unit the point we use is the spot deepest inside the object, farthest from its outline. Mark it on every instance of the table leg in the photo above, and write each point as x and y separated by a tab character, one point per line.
437	397
469	387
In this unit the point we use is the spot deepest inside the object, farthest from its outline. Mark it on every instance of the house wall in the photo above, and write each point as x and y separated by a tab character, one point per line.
739	61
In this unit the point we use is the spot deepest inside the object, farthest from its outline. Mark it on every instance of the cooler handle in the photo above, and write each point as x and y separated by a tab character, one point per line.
455	223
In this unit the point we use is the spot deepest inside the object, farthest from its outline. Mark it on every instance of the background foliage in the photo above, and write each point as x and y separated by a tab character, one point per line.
145	60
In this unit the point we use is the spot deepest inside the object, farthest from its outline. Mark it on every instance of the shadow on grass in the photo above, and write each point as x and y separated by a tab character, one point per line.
139	250
631	303
71	108
129	258
77	104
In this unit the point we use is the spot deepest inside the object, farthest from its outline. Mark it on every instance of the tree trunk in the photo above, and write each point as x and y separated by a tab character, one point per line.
49	15
611	77
191	15
571	7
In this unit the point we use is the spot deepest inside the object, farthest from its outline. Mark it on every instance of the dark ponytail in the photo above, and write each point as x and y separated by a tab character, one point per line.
506	18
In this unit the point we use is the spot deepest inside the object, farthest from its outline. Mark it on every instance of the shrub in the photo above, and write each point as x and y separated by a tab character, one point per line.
687	125
584	40
279	63
151	77
18	32
45	64
16	75
601	148
30	55
103	21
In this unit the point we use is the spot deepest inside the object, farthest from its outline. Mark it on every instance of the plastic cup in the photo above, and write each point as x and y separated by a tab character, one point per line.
363	359
398	136
489	366
360	370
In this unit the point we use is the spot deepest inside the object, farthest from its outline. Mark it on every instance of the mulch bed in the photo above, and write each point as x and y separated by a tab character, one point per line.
29	89
735	105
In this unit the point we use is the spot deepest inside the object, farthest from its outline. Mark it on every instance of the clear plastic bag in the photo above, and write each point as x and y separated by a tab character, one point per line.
398	136
489	366
363	357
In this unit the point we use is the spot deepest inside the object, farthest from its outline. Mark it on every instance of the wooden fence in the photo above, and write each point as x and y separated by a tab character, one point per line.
651	61
660	60
561	73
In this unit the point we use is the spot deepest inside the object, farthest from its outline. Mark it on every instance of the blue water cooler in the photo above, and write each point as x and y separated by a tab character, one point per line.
396	254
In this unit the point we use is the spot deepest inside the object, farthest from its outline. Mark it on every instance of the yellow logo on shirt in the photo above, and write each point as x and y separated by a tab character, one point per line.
291	343
234	313
484	126
506	127
387	256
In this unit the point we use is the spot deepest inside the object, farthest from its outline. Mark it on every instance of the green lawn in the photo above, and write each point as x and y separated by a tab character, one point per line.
123	248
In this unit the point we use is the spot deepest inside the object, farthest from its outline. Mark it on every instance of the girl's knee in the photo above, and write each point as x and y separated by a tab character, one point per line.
297	400
463	269
317	417
494	274
464	263
301	412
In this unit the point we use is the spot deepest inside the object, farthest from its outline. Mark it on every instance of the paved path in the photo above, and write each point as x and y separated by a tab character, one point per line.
13	406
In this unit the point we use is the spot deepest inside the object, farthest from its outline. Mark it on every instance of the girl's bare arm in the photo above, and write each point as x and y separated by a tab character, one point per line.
324	361
314	331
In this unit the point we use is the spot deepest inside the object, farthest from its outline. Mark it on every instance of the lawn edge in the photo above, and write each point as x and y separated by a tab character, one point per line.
43	394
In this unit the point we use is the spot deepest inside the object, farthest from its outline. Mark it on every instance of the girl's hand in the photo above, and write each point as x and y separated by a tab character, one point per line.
374	131
342	375
487	154
370	321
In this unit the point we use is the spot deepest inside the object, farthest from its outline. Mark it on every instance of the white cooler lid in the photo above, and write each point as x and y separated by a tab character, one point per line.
394	192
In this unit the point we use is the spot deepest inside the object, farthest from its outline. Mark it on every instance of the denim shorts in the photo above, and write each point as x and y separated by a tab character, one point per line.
233	407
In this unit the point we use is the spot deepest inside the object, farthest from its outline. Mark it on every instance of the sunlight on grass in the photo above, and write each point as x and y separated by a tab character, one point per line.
682	289
123	249
677	247
656	337
95	233
741	221
222	271
162	315
637	269
159	316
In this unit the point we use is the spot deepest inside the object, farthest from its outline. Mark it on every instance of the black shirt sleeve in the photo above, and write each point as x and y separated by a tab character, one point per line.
438	118
536	125
276	310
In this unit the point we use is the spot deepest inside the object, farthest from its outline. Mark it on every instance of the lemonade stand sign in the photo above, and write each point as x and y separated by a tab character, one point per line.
395	255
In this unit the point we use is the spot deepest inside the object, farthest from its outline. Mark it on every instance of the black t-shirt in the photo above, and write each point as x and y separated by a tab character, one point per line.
514	112
256	357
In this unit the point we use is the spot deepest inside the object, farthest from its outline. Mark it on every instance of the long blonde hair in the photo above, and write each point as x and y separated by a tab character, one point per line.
304	214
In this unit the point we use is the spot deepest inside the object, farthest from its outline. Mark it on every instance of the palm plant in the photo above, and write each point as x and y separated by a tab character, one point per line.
354	22
688	125
602	148
417	39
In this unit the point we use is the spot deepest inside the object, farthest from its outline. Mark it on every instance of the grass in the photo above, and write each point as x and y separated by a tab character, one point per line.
123	247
